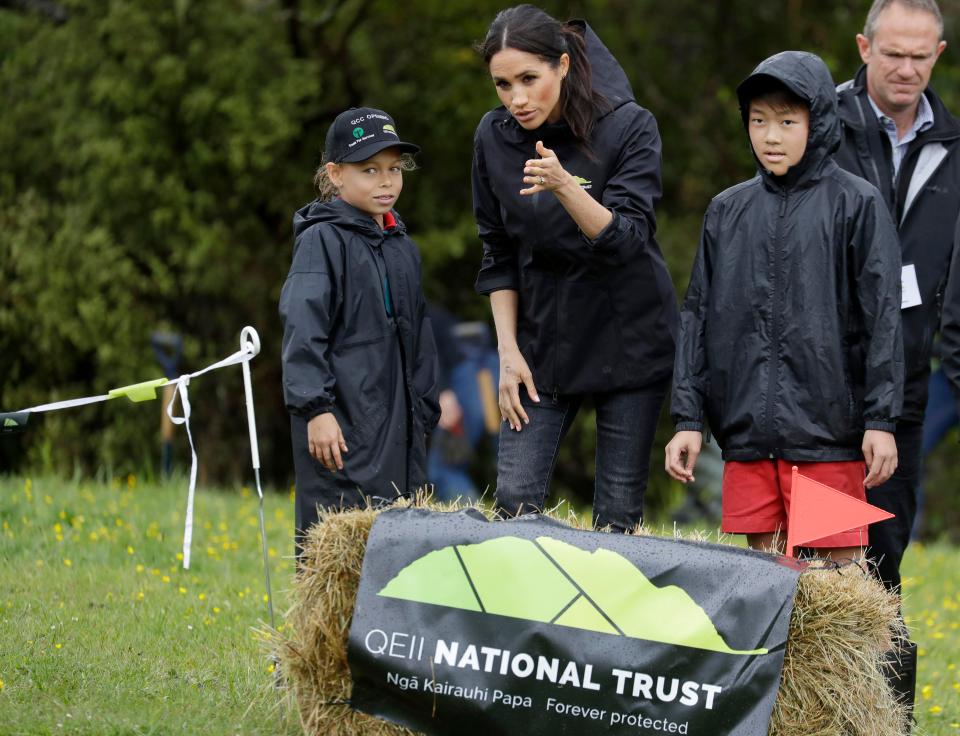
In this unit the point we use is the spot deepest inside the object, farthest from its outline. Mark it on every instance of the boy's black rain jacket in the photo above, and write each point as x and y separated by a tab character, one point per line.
790	340
342	353
594	315
924	198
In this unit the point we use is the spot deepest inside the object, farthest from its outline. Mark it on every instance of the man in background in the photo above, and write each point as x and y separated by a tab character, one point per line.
899	136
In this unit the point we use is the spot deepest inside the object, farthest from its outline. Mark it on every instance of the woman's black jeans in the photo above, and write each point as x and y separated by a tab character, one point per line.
626	425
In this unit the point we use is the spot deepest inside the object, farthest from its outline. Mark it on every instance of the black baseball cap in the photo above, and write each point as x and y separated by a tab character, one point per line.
362	132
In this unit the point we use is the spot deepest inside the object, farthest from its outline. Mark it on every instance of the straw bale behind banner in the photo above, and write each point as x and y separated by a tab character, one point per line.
832	683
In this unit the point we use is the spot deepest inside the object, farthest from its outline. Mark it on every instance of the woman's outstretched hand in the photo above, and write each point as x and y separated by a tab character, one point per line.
513	372
544	174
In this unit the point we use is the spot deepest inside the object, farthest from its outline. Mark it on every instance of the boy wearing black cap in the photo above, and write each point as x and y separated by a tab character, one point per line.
790	340
359	360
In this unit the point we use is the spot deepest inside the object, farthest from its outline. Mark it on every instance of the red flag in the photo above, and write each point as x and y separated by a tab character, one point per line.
817	511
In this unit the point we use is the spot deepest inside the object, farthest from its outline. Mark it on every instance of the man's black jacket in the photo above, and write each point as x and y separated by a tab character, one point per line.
594	315
924	201
790	340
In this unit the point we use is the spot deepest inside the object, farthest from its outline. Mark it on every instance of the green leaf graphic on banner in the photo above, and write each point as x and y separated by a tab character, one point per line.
584	615
439	580
638	607
550	581
513	578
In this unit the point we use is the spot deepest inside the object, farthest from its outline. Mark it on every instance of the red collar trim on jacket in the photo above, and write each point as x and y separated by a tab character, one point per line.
389	221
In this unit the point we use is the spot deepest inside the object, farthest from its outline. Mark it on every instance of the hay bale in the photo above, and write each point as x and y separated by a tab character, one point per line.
832	683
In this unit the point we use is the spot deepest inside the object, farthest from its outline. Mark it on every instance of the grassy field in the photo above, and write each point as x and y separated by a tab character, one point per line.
103	632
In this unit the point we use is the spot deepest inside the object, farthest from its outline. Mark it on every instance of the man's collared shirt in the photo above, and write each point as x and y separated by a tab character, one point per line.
899	146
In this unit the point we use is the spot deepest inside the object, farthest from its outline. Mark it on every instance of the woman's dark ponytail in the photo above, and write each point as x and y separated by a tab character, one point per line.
529	29
580	104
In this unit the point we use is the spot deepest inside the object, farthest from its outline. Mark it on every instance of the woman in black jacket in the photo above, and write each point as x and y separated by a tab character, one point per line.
565	177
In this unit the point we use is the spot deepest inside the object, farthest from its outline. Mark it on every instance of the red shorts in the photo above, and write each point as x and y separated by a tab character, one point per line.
756	496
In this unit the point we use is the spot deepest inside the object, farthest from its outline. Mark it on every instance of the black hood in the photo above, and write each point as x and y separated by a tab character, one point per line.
341	214
607	75
808	78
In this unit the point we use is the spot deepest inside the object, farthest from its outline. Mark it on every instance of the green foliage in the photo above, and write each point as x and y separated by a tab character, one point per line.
155	151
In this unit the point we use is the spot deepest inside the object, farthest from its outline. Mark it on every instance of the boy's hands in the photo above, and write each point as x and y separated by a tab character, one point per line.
880	453
682	452
326	441
514	371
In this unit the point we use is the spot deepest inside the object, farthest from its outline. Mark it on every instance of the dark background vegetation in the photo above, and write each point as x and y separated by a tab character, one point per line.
153	153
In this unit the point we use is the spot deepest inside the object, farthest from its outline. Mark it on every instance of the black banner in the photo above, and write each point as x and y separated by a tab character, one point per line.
530	627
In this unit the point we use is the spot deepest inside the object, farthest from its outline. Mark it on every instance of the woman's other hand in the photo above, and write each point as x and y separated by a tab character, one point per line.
326	441
513	372
681	455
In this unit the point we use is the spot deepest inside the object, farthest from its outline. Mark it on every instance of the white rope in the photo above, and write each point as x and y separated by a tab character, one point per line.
249	348
184	394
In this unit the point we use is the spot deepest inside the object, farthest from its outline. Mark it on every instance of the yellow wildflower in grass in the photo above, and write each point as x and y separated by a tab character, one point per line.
936	710
58	645
140	595
182	589
216	609
2	685
39	563
48	500
94	536
202	597
131	481
179	556
165	579
140	568
68	562
129	550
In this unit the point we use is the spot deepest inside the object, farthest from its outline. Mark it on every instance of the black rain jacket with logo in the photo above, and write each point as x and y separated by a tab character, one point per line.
924	201
342	353
594	315
790	339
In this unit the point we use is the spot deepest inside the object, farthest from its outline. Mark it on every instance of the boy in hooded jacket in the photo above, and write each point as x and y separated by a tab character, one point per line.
790	341
359	358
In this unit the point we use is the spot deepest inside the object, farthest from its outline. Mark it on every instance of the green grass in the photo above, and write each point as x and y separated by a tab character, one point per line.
103	632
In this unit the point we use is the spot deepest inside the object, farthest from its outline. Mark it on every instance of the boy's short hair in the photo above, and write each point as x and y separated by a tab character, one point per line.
774	93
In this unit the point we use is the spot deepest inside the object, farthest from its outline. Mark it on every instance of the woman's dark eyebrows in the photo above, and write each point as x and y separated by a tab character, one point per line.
524	73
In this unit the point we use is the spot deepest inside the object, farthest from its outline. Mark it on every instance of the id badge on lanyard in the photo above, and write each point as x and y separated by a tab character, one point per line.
910	289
